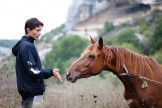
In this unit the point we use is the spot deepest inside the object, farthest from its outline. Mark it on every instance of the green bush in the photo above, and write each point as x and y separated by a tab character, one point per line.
64	52
158	56
147	33
108	26
127	36
143	27
156	39
130	47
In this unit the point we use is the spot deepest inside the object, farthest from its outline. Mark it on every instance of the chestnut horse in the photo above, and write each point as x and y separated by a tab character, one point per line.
140	75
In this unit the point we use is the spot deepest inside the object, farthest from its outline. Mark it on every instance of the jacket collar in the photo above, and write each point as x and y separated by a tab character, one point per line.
27	38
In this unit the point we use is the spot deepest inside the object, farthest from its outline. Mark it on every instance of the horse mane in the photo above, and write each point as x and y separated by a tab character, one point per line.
136	64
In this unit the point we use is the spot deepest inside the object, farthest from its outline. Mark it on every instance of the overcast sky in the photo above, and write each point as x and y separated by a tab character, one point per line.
14	13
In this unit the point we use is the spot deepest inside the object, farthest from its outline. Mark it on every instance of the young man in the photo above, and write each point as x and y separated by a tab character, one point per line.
29	72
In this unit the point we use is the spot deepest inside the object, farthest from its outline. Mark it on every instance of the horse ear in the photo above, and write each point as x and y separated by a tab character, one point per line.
100	42
92	40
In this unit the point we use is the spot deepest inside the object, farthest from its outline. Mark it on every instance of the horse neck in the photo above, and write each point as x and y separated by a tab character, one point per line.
116	67
111	60
116	57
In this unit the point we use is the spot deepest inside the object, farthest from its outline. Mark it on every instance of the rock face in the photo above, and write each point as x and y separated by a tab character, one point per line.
98	11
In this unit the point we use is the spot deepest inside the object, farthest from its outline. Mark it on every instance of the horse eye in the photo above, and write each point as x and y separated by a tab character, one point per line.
91	56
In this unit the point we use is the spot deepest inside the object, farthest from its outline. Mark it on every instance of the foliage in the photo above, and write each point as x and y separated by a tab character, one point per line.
111	40
130	47
147	33
7	67
65	51
157	16
158	56
157	39
143	27
107	28
127	36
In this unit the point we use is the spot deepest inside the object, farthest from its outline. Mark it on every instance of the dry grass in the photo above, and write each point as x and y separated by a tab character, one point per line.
9	97
85	93
93	92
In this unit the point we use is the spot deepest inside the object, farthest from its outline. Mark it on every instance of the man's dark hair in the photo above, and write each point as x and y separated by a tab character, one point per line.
32	23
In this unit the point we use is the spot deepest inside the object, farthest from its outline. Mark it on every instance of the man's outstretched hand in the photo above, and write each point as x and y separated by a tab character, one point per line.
56	74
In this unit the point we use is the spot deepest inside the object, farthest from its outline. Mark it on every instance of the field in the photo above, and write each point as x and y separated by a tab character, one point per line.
94	92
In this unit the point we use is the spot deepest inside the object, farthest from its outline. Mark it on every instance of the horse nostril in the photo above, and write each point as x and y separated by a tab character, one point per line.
68	77
68	74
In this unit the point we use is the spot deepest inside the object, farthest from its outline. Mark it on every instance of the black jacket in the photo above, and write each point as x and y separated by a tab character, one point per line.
29	72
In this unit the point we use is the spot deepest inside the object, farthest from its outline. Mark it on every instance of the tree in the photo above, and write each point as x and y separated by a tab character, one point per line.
108	26
157	39
128	36
65	51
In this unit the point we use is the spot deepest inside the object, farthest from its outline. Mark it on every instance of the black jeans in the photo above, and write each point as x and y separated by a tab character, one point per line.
27	102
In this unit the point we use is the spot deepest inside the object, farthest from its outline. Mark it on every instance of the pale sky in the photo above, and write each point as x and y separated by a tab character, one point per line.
14	13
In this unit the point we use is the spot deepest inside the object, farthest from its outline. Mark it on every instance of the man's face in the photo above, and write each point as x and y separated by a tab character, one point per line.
35	33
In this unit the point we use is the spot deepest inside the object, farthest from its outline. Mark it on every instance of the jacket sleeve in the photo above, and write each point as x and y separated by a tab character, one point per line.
28	59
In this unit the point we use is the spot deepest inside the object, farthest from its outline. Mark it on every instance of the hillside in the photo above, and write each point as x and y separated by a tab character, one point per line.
5	48
89	17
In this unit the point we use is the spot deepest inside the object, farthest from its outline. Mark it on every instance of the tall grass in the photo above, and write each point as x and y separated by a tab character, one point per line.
9	97
94	92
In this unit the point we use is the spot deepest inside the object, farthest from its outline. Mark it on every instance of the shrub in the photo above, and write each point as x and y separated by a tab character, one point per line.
65	51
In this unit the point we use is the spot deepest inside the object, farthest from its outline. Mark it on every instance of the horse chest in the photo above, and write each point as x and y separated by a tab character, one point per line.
148	97
135	101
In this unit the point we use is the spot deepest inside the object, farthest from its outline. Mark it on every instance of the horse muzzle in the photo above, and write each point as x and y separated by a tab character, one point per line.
72	77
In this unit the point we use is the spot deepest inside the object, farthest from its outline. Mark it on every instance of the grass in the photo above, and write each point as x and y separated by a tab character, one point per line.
94	92
9	97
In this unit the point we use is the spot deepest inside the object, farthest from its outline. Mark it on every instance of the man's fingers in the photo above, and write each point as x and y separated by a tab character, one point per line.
57	75
56	69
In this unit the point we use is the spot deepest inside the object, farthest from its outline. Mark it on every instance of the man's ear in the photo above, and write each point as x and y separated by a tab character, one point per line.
92	40
27	29
100	42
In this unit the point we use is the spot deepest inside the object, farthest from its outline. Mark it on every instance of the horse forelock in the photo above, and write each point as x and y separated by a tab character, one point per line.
86	50
136	64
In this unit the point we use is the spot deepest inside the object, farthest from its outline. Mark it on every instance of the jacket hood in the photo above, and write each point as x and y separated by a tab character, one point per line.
16	47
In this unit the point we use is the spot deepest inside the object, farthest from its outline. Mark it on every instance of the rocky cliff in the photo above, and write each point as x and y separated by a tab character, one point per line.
92	14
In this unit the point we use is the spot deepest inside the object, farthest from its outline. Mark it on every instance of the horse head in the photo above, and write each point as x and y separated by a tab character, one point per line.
90	63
